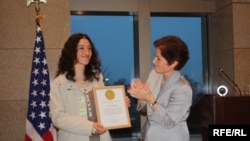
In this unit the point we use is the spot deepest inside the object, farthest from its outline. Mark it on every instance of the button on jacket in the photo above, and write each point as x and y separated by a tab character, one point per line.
68	110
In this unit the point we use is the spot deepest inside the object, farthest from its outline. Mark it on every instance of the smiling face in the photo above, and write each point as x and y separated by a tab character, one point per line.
84	52
161	64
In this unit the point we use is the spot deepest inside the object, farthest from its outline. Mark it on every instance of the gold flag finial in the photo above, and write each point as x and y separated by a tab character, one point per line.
38	17
37	2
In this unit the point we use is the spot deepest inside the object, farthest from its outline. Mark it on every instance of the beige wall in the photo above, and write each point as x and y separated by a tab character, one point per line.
230	43
17	37
229	40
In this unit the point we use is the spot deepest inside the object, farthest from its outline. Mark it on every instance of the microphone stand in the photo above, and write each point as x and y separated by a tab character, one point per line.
222	71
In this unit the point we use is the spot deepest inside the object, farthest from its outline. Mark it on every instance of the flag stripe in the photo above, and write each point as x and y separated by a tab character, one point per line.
38	122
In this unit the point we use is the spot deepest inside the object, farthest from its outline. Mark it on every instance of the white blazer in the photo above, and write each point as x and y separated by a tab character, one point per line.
68	110
168	121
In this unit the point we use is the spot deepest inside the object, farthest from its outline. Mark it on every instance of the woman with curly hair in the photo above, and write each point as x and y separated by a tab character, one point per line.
71	96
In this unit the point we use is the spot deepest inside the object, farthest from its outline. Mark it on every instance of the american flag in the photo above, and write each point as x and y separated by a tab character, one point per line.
38	123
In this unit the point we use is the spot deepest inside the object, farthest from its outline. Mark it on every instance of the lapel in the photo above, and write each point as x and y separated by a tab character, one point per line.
170	82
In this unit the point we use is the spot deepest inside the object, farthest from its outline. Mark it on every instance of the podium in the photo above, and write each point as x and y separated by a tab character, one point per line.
214	109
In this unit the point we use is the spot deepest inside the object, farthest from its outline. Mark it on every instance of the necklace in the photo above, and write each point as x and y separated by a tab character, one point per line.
163	82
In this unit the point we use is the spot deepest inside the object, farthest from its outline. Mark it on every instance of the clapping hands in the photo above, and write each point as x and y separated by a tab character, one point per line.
139	90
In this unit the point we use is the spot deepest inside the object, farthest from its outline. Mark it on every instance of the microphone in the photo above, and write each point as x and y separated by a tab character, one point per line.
222	71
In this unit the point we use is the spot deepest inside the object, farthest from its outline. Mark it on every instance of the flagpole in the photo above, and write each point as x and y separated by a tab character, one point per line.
37	8
39	126
37	2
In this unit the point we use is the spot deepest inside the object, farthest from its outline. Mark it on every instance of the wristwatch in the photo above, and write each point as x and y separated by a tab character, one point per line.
152	104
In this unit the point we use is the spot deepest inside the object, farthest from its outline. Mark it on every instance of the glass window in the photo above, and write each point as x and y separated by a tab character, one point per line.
188	29
114	40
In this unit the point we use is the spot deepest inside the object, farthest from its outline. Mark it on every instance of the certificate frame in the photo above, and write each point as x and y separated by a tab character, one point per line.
111	109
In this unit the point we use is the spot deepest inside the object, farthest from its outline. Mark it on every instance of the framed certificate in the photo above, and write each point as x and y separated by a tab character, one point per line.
111	109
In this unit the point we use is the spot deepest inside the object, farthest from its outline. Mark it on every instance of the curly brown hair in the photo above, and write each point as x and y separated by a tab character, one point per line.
68	59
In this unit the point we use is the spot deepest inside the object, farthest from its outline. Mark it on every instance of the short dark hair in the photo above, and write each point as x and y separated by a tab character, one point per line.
173	49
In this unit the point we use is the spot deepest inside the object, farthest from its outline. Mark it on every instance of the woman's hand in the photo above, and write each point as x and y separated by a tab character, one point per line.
127	101
140	91
98	128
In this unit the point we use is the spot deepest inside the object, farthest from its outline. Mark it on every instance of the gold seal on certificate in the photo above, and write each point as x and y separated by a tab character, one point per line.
111	109
110	94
